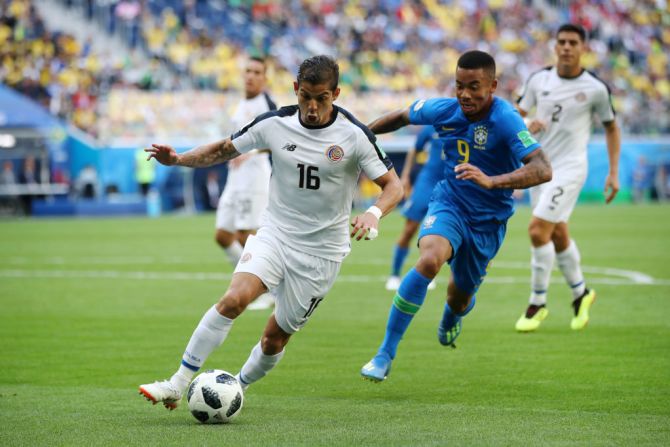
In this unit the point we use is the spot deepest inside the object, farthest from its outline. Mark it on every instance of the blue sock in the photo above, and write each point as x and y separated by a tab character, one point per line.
399	256
406	303
449	316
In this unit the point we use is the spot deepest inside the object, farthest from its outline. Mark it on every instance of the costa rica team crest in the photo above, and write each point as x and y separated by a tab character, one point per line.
335	153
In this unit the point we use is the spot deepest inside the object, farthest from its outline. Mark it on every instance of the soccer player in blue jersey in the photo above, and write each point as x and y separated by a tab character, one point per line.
488	153
416	205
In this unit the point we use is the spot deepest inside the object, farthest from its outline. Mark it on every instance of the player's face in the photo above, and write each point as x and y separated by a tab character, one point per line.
254	78
474	91
315	102
569	48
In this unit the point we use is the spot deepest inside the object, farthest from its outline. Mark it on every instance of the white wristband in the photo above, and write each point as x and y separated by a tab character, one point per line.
375	211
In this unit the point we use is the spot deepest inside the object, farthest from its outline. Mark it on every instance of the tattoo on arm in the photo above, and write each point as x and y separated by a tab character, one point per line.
536	170
209	154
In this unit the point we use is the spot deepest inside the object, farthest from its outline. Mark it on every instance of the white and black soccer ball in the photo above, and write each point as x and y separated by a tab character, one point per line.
215	397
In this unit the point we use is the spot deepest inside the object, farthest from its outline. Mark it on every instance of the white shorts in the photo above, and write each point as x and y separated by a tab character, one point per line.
555	201
240	210
299	280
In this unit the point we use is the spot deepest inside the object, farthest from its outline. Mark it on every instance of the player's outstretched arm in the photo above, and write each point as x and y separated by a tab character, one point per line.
390	121
613	139
367	224
198	157
536	170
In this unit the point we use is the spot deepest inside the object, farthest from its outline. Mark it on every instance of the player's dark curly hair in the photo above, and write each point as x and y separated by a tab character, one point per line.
572	28
474	59
319	70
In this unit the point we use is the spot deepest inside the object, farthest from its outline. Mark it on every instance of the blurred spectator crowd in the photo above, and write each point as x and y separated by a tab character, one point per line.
184	65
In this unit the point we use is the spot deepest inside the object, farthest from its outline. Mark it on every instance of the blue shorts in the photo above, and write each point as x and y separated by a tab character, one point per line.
416	207
473	248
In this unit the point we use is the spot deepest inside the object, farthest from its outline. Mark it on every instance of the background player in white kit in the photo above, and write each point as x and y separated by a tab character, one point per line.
318	151
245	194
565	98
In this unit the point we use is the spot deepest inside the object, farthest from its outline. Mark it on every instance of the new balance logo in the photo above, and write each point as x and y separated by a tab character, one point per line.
289	147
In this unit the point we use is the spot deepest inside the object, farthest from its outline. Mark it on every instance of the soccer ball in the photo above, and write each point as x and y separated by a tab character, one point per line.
215	397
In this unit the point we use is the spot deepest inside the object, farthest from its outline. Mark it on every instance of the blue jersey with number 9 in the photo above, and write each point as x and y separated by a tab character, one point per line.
495	144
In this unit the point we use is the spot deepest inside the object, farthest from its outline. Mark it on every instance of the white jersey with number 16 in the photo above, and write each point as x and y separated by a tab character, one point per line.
314	176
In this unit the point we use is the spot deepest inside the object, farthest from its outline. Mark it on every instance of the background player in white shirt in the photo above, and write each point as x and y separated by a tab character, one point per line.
318	151
565	97
245	194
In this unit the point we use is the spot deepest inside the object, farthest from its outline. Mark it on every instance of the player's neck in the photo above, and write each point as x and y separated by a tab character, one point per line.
569	71
251	95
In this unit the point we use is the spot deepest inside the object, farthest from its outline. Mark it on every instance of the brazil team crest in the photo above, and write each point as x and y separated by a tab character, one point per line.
481	135
335	153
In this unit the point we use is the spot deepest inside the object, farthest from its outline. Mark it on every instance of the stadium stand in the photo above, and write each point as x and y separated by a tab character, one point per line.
385	47
125	71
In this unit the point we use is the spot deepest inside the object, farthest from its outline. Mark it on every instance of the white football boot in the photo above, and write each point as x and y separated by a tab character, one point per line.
164	392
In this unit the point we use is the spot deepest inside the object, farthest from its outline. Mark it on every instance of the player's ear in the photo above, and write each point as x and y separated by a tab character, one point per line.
295	87
336	93
494	85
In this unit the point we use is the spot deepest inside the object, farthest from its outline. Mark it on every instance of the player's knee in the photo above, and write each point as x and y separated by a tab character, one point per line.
538	235
429	264
233	302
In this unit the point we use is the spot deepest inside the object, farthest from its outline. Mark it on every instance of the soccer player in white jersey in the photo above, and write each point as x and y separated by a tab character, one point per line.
565	98
318	151
245	194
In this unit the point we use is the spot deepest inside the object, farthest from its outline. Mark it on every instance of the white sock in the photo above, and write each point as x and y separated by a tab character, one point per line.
234	252
541	263
210	333
569	261
257	366
182	378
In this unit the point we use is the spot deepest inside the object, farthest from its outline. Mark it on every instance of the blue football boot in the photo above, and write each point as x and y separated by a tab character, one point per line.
378	368
449	329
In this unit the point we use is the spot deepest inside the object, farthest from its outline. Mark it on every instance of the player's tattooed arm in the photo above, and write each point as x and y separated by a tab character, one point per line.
198	157
390	121
536	170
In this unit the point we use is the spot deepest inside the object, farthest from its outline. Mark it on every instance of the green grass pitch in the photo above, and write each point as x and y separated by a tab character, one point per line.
90	309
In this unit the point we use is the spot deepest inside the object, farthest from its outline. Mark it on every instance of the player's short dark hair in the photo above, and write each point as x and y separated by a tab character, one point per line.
474	59
319	70
572	28
261	60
